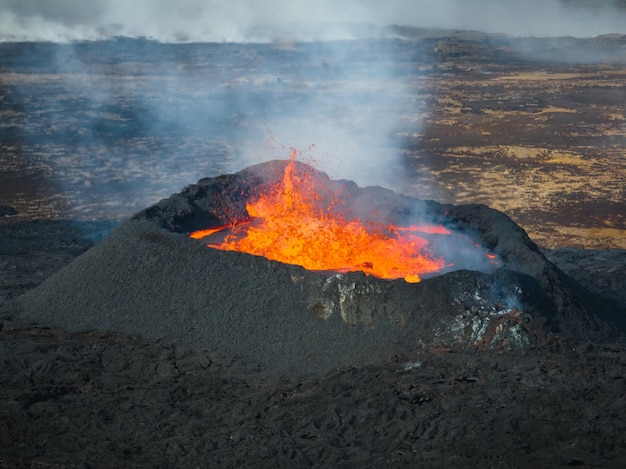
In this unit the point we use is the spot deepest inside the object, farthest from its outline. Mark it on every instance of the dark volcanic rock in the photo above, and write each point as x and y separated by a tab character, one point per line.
601	271
106	400
7	210
150	278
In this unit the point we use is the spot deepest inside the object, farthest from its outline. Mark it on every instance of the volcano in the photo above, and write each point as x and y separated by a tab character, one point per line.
179	270
301	220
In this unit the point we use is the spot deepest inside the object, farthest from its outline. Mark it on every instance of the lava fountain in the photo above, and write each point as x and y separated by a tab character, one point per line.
299	221
328	277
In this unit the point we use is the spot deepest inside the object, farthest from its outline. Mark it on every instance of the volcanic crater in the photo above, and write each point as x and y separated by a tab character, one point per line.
149	277
533	127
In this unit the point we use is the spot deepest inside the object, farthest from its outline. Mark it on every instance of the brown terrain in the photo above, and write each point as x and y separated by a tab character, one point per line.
92	133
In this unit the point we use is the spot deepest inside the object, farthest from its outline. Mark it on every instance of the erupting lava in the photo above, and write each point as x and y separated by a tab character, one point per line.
294	224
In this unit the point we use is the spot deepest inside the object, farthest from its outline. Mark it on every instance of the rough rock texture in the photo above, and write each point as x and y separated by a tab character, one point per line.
98	399
149	278
109	400
7	210
601	271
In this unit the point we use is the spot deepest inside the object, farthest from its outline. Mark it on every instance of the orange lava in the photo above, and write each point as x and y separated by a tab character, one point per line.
204	233
288	225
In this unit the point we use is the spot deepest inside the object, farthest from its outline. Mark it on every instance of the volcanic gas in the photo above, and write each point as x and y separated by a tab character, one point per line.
299	221
150	277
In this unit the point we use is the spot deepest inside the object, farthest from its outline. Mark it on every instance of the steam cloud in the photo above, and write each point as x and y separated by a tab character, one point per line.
215	20
352	138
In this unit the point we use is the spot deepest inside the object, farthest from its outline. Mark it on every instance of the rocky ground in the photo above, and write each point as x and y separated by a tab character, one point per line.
104	400
539	138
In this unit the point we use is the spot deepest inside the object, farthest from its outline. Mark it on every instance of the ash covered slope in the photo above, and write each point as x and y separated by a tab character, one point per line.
149	278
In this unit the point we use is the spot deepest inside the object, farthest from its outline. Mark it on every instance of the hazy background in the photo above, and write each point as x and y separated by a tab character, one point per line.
216	20
237	20
132	132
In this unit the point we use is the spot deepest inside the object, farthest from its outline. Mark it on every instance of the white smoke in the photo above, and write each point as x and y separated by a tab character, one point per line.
347	120
249	20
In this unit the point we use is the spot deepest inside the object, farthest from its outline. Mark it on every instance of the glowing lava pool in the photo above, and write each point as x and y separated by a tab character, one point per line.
296	221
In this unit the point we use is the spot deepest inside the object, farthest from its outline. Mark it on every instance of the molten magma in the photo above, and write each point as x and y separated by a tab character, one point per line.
290	224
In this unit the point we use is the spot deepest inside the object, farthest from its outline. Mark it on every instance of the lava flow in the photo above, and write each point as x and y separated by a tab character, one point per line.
292	224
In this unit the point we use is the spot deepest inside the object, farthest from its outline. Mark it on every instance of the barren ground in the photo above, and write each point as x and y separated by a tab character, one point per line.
539	136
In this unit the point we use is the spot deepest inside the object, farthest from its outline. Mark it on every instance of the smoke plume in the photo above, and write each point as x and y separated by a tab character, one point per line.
322	76
214	20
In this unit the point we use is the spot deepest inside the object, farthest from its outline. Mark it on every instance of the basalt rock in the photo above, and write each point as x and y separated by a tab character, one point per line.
148	277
